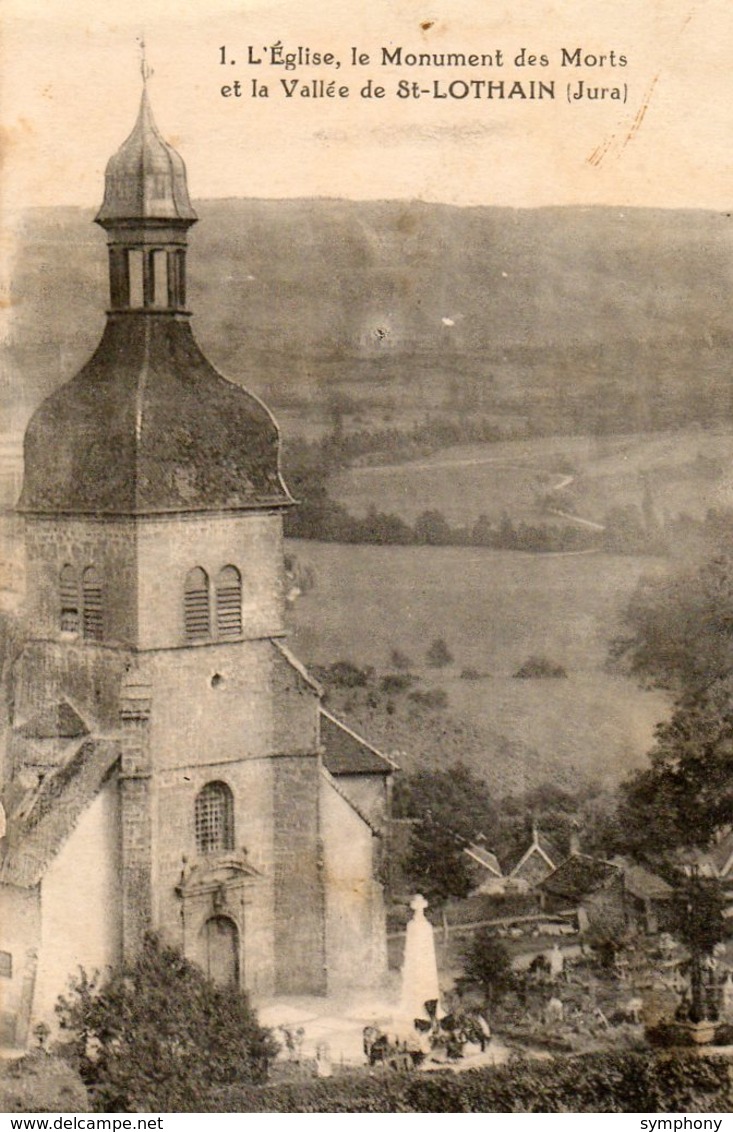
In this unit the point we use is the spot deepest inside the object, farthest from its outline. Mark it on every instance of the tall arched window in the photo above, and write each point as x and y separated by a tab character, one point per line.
69	600
196	605
214	818
229	602
92	619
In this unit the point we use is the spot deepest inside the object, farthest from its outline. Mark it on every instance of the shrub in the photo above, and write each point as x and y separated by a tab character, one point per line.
488	965
158	1035
433	698
540	668
470	673
344	674
394	682
40	1082
597	1082
438	655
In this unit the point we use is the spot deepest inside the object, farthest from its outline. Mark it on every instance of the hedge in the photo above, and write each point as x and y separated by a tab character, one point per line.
597	1082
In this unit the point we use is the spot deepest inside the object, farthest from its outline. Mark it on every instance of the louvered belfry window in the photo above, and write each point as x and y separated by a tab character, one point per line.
229	602
92	619
69	600
215	819
196	605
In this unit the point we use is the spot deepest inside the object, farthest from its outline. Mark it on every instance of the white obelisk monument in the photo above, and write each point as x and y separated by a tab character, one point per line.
420	969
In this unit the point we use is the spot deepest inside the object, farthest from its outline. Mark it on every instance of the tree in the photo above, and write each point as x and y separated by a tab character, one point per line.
487	965
698	923
686	795
432	529
679	630
436	864
451	807
400	660
439	655
454	797
157	1035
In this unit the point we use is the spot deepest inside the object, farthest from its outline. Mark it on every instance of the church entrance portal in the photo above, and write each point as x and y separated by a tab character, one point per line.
221	951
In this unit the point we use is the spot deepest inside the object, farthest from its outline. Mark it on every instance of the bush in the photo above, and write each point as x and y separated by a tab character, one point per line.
344	674
540	668
434	698
40	1082
473	674
438	655
158	1035
488	965
394	682
597	1082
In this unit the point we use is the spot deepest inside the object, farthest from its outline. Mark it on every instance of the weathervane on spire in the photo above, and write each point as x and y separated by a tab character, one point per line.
145	70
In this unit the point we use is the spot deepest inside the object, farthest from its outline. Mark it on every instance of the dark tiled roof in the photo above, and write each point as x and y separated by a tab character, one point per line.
642	883
344	752
148	426
34	839
578	876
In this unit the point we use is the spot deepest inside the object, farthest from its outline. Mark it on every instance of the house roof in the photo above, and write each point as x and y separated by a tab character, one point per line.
722	853
345	752
640	882
484	857
578	876
540	846
715	861
50	813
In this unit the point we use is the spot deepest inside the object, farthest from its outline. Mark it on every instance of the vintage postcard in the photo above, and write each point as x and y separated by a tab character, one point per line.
366	512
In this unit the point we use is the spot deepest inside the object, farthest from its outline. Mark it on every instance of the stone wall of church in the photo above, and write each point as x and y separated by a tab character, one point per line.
355	915
300	927
20	932
88	674
169	548
80	903
229	713
249	903
108	545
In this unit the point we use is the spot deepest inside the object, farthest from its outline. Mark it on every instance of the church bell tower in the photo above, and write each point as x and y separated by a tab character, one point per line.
153	505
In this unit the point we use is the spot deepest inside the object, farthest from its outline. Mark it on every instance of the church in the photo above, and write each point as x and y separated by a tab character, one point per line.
170	764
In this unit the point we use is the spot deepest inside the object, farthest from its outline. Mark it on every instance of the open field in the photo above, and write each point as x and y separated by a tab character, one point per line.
494	609
681	472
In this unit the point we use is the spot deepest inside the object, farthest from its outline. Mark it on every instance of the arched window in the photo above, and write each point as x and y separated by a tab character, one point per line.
196	605
214	819
91	589
229	602
69	600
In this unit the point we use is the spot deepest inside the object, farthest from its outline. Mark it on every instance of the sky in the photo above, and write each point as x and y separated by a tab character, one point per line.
71	84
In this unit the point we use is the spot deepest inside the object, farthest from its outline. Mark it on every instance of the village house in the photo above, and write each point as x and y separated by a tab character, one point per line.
609	897
170	765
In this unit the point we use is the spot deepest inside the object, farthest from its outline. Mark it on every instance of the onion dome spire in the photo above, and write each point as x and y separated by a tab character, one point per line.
146	179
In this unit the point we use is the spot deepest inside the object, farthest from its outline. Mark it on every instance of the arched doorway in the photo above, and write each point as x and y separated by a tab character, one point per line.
221	951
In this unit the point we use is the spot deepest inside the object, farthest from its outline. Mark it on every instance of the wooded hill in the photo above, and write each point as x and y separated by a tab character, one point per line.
574	319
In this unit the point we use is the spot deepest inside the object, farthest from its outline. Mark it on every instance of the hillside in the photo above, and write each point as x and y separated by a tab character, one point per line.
574	319
494	610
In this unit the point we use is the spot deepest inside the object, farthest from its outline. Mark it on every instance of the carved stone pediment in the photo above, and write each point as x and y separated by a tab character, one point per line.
215	873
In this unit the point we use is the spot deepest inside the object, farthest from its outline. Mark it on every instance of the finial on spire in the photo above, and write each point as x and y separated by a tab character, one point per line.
145	70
